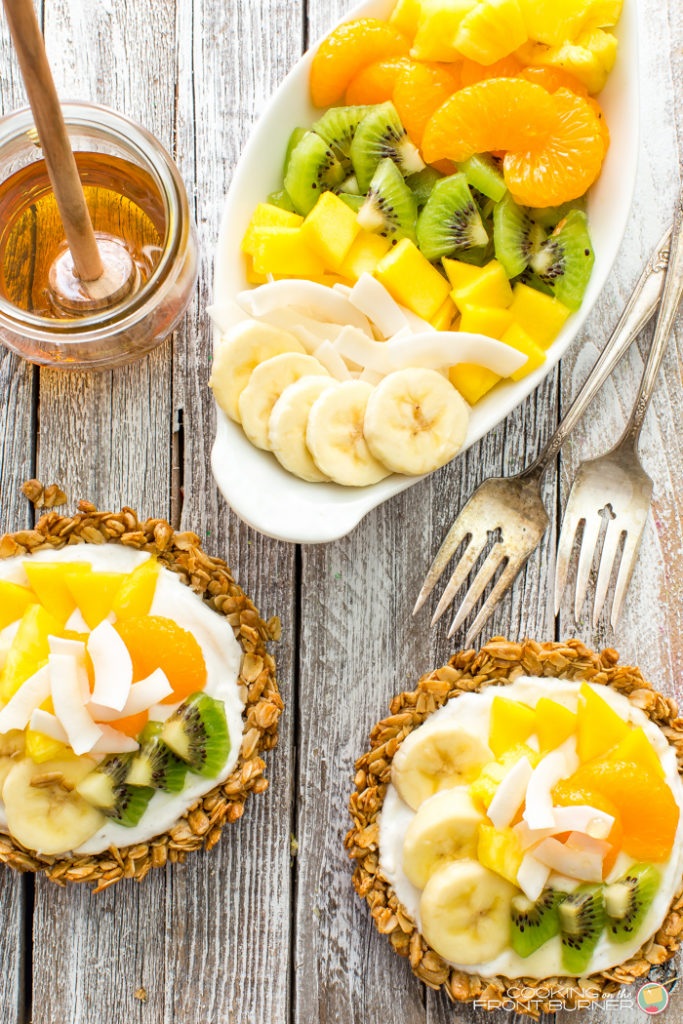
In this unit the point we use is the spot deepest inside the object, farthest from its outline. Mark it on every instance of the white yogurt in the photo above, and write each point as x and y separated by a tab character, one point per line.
472	712
222	654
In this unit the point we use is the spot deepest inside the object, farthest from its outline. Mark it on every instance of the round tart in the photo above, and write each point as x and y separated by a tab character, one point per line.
136	696
517	829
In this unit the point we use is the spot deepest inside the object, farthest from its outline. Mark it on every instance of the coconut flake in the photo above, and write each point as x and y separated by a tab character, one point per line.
49	725
371	376
372	355
557	765
7	636
371	297
67	698
114	742
226	315
76	623
112	666
577	818
437	349
332	361
585	865
532	877
143	695
59	645
308	331
315	299
21	705
416	324
509	795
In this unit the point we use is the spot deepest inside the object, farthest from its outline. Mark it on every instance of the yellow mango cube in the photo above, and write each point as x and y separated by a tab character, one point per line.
251	275
554	723
488	320
412	280
510	724
364	255
406	15
491	31
29	649
437	28
500	850
14	600
472	381
285	251
460	273
635	746
541	316
94	593
268	216
519	339
599	727
40	747
330	230
136	593
48	580
490	287
445	316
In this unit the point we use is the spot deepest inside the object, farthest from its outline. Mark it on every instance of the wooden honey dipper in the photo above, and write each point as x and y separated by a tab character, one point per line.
95	271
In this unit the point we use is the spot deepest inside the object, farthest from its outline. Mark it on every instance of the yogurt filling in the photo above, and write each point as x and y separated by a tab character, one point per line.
222	654
472	712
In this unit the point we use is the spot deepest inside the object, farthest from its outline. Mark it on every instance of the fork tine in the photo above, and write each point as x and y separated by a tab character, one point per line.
628	561
483	577
452	542
591	532
503	584
565	544
462	571
609	551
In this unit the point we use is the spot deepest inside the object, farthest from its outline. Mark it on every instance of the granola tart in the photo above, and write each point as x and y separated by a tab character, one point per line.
194	747
625	865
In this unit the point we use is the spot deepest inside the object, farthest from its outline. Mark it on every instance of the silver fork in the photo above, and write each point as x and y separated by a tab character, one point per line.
514	505
614	487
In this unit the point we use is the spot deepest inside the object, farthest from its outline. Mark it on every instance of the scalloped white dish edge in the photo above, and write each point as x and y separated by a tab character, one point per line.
253	483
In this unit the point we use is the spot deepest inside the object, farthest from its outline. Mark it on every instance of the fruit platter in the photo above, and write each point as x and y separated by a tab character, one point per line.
399	265
136	694
519	817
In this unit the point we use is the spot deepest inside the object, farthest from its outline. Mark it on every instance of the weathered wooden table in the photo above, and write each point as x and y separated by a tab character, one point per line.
263	930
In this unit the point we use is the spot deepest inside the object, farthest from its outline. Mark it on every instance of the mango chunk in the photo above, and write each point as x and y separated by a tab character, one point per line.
134	597
285	251
541	316
364	255
48	580
412	280
94	593
490	287
14	600
268	216
510	724
472	381
459	273
330	230
491	321
445	316
635	746
599	727
519	339
29	650
554	723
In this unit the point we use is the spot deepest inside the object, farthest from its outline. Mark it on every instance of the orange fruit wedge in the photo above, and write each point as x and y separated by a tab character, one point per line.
156	642
506	67
375	83
348	49
566	794
496	114
553	79
420	89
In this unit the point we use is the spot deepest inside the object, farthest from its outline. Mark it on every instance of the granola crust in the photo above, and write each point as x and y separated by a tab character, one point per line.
498	662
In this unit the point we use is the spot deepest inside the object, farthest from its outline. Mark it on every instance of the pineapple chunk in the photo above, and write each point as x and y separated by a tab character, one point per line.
563	20
40	747
590	58
268	216
492	774
29	650
364	255
541	316
135	596
499	849
330	230
48	580
406	15
599	726
635	746
437	28
445	316
491	321
285	251
94	593
14	600
472	381
554	723
412	280
491	31
511	723
251	275
519	339
488	287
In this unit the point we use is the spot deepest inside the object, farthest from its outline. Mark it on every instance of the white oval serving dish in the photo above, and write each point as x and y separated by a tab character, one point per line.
252	481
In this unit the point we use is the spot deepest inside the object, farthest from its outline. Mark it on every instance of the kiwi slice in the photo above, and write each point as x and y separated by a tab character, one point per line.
294	140
350	186
106	789
532	924
197	732
450	220
582	919
389	208
155	764
282	200
355	202
628	900
337	127
311	170
483	173
550	216
565	260
422	183
516	236
379	135
534	281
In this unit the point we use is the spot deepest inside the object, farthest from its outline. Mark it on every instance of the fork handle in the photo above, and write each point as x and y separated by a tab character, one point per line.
671	297
639	311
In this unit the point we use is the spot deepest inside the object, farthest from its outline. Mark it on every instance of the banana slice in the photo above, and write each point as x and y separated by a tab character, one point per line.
465	912
12	745
266	384
245	346
415	421
445	828
334	436
287	426
440	758
43	811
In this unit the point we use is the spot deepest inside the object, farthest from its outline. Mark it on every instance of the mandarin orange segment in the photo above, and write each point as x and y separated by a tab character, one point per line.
420	90
567	164
132	725
156	642
647	808
506	67
348	49
567	795
375	83
553	79
496	114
